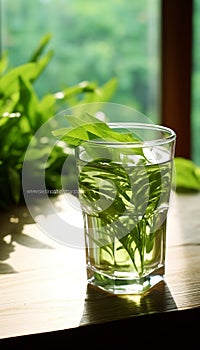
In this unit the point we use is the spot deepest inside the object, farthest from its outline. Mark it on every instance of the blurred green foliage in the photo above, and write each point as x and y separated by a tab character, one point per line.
97	40
93	40
22	113
187	175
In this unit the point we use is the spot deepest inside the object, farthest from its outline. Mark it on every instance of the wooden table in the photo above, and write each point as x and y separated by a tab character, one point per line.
44	294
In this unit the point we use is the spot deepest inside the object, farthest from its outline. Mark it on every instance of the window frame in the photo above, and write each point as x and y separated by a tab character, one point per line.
176	70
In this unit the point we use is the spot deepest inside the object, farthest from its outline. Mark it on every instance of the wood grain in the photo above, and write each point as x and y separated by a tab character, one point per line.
43	287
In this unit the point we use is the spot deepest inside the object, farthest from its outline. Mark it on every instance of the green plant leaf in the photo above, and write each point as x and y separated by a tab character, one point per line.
89	128
107	90
22	113
134	203
9	82
134	213
30	71
82	87
46	107
42	45
73	137
29	101
187	175
41	65
15	184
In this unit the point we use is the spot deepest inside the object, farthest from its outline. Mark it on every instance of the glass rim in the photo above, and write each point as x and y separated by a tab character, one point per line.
144	143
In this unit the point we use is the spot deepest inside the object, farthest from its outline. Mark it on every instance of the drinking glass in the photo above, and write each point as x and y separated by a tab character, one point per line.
124	193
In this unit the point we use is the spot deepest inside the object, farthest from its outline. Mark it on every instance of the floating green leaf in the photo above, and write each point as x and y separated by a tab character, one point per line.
88	128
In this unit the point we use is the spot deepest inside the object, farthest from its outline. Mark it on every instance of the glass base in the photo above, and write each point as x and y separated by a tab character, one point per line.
123	286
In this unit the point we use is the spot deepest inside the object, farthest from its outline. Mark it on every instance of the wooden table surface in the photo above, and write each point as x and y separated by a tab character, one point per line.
44	293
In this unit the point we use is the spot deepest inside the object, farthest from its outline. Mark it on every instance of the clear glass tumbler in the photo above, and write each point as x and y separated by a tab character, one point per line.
124	193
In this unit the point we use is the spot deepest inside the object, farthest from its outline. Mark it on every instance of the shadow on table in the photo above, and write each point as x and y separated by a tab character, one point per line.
11	232
102	307
120	322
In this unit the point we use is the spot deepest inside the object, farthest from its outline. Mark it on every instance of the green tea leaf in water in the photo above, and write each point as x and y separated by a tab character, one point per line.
123	193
